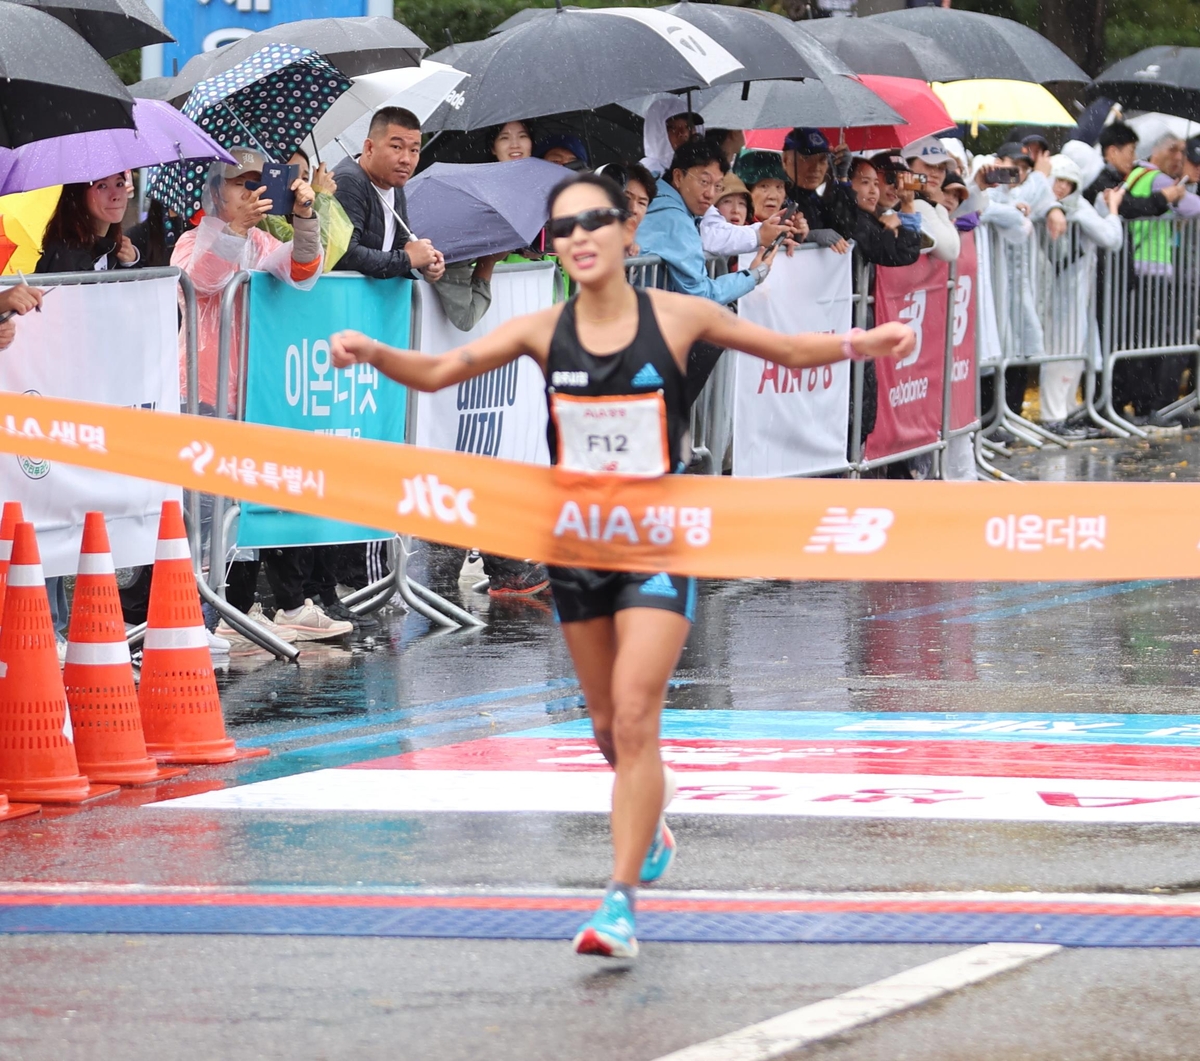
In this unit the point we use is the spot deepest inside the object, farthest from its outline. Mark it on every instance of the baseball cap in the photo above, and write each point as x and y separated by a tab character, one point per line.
929	149
806	142
1035	138
1192	150
1014	151
245	160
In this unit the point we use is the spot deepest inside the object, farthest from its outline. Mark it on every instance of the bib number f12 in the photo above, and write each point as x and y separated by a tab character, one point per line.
612	436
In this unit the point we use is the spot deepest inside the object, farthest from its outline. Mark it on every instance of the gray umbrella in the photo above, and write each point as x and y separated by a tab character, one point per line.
53	83
610	53
987	45
354	45
870	47
1165	78
489	208
836	102
109	26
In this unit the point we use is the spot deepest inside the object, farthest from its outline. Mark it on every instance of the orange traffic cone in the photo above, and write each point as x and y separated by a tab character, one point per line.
37	755
98	675
8	524
181	709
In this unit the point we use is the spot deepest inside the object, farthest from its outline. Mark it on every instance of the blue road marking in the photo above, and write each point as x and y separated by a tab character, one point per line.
1037	589
1166	730
1057	601
1010	593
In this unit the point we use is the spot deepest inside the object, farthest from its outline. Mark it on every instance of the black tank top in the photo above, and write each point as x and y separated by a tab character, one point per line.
643	367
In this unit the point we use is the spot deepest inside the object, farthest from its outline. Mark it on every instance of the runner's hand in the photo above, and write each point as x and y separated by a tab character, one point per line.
21	299
350	348
889	341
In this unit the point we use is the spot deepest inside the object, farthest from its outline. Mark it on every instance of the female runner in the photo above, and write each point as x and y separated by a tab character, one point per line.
614	344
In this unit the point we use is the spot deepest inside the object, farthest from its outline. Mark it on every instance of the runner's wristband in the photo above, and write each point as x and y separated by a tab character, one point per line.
848	350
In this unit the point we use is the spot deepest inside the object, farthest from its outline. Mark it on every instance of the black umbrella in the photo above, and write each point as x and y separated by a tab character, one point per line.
53	83
354	45
987	45
870	47
109	26
152	88
833	103
1165	78
611	134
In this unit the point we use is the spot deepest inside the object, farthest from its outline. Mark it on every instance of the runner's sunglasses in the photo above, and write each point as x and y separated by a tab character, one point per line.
588	220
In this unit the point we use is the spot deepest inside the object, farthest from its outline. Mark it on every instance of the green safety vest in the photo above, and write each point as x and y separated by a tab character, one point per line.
1152	239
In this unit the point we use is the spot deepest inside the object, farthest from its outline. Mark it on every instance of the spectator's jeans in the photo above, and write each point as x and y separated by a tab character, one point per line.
60	615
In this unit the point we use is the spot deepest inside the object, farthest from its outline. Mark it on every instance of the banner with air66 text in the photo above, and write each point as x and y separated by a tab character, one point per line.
794	421
910	391
65	352
291	382
501	413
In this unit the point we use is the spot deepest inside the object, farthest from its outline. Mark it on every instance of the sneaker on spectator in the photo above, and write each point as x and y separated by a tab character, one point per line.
62	652
534	579
310	623
343	614
238	640
217	646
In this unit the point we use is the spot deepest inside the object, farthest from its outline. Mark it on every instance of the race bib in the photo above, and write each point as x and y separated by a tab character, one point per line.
615	436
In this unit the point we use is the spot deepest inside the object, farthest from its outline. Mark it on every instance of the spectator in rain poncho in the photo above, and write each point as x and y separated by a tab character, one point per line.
336	229
1070	279
226	241
667	127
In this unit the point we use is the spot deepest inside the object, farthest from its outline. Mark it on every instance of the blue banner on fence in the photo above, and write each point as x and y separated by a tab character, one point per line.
291	382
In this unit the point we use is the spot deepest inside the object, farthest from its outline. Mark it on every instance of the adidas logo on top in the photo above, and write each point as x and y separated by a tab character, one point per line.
659	586
647	376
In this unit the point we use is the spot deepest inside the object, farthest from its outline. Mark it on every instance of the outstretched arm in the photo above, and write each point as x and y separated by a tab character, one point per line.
425	372
722	328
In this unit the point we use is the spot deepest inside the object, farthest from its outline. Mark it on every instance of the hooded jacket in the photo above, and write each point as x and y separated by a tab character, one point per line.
655	142
671	231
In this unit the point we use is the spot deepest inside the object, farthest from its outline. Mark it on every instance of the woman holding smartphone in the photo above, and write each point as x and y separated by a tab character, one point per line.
613	344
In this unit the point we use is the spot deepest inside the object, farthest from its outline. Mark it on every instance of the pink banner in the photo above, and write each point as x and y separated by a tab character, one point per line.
962	381
910	391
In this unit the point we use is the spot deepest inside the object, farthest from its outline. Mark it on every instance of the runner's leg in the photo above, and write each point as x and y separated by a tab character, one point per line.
593	647
649	641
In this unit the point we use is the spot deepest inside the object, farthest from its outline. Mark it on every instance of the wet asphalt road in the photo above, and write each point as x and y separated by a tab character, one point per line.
1132	648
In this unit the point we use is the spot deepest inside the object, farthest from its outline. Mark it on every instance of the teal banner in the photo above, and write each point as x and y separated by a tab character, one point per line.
291	382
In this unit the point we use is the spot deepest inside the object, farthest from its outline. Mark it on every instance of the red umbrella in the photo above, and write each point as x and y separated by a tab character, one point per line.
7	247
913	100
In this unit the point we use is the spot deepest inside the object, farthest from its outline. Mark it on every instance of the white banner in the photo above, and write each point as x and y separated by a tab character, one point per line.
114	343
793	421
501	413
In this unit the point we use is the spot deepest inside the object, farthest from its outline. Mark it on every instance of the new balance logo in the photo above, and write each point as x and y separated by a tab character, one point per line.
659	586
568	379
864	531
647	376
430	498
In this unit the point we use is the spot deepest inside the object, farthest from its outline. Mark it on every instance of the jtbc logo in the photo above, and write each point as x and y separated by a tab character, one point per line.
430	498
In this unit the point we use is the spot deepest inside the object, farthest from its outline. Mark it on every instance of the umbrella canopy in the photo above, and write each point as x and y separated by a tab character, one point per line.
355	46
152	88
420	89
161	134
52	83
8	247
612	54
109	26
269	102
468	211
987	45
611	134
24	218
1164	78
994	102
922	112
869	47
838	101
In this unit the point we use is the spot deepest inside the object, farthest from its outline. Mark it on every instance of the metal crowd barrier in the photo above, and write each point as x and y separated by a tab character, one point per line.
418	598
135	635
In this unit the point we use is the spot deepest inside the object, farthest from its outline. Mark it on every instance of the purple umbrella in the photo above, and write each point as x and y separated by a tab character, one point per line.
161	134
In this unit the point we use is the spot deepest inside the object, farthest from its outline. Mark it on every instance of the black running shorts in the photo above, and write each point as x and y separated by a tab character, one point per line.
581	593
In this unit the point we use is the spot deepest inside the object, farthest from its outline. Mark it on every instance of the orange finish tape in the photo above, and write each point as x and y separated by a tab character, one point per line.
693	525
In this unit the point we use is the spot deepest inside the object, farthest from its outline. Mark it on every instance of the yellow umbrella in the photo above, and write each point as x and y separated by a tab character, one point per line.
25	217
995	102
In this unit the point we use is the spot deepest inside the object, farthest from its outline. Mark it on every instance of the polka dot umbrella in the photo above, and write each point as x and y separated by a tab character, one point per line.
270	102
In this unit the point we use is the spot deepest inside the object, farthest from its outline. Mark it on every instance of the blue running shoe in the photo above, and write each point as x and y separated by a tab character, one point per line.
660	856
610	932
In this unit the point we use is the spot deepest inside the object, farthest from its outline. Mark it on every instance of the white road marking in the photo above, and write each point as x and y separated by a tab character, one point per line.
835	1016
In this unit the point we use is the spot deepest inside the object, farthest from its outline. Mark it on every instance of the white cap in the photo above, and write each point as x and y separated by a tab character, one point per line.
929	149
246	160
